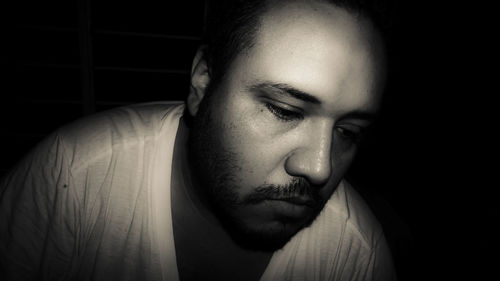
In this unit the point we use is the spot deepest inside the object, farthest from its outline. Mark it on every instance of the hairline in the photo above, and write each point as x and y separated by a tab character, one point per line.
249	40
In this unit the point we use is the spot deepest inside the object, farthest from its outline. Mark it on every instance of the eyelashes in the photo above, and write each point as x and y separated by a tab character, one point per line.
345	132
282	114
350	135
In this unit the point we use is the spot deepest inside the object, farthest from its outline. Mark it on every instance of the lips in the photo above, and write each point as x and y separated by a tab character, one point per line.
287	208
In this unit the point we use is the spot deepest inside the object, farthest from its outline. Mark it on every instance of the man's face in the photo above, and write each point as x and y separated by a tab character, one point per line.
274	139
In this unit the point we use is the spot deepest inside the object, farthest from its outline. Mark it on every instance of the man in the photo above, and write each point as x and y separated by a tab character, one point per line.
244	182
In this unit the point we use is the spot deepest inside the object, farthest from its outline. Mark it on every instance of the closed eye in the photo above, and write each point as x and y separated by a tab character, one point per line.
353	135
282	114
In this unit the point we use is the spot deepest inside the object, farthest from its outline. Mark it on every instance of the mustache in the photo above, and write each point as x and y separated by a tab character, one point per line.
297	188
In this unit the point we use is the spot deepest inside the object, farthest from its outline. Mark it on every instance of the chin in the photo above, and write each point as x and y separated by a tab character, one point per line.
263	235
268	238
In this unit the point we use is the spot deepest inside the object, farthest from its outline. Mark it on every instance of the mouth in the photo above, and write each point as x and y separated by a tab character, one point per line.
296	208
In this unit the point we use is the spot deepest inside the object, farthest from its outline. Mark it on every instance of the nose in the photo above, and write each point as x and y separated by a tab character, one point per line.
312	158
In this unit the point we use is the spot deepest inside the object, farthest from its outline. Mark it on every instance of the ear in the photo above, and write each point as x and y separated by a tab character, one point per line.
200	78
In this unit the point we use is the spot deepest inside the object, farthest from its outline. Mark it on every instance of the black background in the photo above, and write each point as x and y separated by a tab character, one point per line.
424	170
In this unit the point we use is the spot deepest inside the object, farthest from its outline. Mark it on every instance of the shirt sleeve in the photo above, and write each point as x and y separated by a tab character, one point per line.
36	236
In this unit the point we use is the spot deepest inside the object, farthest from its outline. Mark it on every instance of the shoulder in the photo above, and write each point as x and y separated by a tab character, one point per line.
347	205
346	222
345	242
93	144
113	130
119	124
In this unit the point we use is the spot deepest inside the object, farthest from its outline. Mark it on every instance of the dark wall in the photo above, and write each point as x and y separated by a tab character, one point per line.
418	169
430	157
70	58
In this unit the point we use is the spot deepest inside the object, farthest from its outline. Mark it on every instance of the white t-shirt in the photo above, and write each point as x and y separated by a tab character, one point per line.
92	202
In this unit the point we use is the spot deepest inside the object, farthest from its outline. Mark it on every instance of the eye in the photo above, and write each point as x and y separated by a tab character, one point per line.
353	134
284	114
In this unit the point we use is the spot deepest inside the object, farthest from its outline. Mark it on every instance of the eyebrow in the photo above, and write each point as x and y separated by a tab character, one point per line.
285	89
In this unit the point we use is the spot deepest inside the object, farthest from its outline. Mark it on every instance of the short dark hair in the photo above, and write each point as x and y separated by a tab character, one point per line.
232	26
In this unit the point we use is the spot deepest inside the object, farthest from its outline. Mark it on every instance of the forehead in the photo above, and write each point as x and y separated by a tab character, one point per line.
318	48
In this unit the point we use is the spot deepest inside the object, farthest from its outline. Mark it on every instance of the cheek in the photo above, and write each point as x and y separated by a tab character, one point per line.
253	143
341	161
342	158
343	154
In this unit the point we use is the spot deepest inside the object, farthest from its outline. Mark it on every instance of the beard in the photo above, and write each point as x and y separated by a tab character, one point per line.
227	206
216	170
